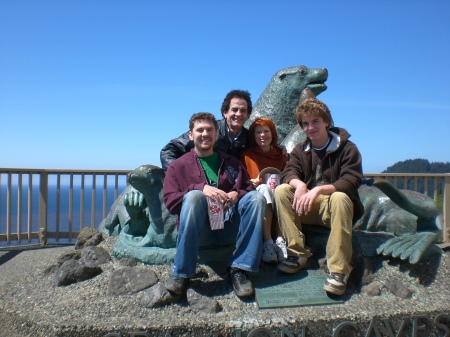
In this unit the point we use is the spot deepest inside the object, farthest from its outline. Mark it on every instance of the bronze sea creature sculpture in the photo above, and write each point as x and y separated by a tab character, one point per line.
147	231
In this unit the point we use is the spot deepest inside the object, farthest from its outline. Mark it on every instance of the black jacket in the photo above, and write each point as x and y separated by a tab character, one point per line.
181	145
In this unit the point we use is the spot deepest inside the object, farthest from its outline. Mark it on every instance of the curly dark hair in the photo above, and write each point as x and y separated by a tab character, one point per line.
313	107
202	116
262	121
242	94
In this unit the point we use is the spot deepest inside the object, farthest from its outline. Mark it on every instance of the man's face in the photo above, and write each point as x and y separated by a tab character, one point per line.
204	135
316	130
236	115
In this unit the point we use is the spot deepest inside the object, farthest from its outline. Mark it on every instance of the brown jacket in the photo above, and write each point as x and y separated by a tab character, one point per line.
341	167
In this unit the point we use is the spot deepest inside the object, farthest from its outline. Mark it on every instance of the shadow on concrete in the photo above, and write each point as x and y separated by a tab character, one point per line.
8	253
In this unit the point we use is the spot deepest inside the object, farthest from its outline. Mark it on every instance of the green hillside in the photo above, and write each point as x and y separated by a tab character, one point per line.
418	166
421	166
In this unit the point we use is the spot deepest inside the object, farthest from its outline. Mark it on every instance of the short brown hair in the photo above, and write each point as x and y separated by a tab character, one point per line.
202	116
262	121
313	107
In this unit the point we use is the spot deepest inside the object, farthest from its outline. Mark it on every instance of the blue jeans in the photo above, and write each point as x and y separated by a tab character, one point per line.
243	228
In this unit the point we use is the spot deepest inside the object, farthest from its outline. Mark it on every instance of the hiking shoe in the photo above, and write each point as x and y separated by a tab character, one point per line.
241	283
281	249
336	283
269	255
177	285
293	264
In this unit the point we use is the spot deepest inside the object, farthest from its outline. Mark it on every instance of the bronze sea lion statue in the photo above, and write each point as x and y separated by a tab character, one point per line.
147	231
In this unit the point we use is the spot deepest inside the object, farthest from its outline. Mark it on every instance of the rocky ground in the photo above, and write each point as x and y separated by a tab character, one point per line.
31	304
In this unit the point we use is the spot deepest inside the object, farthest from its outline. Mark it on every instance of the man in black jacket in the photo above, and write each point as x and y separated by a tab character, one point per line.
232	135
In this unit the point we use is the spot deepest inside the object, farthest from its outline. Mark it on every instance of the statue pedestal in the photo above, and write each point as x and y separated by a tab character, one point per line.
31	305
157	255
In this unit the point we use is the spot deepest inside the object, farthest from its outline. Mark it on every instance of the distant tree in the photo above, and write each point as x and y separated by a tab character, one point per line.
438	167
418	166
421	166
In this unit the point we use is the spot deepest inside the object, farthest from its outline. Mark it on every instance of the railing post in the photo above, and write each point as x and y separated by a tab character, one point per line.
43	198
105	185
19	208
93	199
8	207
446	208
30	206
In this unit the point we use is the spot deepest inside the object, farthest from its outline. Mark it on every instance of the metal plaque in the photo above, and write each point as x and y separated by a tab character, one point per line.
304	288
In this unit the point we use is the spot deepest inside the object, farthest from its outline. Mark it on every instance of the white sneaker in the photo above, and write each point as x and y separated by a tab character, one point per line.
280	249
269	255
336	283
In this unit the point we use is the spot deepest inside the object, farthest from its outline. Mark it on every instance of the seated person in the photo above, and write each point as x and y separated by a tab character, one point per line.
320	187
263	153
190	180
232	135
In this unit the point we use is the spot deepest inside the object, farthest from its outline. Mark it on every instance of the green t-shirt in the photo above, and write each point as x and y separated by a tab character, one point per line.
210	166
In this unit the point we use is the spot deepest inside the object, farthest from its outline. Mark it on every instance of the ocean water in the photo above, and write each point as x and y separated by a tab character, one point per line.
64	216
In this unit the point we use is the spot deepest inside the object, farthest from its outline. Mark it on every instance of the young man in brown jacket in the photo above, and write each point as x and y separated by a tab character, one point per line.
320	184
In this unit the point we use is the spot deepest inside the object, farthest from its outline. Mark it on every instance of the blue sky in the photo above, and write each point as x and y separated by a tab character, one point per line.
106	84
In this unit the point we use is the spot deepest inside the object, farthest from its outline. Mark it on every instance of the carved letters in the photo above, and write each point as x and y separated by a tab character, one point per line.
416	324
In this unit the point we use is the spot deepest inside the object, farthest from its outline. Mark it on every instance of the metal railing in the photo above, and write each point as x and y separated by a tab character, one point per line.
47	192
54	214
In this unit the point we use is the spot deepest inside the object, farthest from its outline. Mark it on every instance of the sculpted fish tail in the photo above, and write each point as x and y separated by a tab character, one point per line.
420	208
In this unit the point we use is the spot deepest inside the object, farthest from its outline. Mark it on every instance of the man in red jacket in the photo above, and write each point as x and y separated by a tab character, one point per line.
190	180
320	187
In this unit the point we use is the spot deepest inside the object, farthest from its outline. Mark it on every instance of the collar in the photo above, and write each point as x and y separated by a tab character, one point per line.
232	138
334	143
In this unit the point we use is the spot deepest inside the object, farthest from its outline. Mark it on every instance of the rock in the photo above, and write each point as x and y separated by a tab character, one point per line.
130	280
50	269
72	255
202	303
127	262
373	289
94	256
72	271
88	237
368	274
397	288
158	296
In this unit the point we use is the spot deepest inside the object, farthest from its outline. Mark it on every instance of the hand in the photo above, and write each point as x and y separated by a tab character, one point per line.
233	196
256	181
303	200
214	193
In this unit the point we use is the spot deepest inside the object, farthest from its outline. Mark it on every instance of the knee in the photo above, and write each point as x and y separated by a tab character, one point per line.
256	198
341	202
263	188
340	198
266	192
194	197
283	190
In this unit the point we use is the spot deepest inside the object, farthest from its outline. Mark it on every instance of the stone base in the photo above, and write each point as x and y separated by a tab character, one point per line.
156	255
31	306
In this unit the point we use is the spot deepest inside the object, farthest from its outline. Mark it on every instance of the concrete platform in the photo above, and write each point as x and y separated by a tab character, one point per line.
31	306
